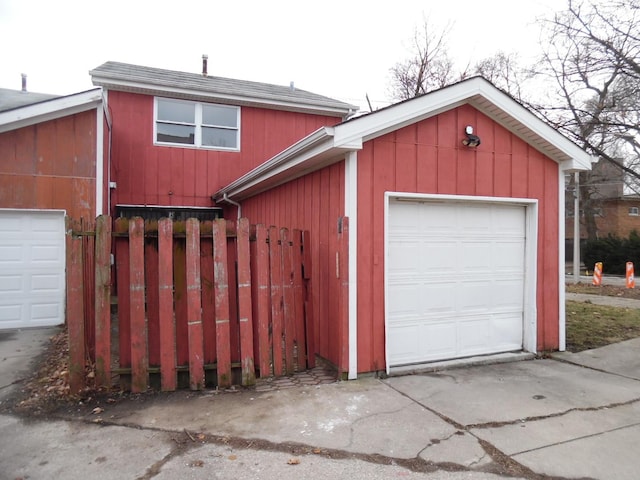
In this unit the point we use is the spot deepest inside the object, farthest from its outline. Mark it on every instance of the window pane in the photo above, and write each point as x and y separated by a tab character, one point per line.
176	111
175	133
220	116
218	137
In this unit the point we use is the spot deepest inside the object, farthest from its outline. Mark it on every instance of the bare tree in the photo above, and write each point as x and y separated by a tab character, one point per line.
428	67
591	65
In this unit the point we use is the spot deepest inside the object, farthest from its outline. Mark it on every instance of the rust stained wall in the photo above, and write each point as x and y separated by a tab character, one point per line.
427	157
51	165
159	175
315	203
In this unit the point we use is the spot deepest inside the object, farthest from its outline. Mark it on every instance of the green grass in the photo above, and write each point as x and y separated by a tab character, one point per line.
592	326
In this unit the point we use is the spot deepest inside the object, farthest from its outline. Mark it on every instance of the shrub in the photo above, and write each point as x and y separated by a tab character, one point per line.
614	252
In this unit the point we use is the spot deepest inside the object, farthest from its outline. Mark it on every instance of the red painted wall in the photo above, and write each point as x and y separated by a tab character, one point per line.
51	165
315	203
428	157
160	175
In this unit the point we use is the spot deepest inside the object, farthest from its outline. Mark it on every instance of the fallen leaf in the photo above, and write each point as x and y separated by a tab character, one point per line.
294	461
317	451
97	410
197	463
200	436
232	457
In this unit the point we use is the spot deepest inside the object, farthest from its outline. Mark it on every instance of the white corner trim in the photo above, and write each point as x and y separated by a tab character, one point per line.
562	297
99	159
351	211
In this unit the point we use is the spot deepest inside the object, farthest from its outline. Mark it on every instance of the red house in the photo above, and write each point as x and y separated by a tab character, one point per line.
51	152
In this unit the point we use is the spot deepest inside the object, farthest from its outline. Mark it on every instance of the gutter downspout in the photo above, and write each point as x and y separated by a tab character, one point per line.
232	202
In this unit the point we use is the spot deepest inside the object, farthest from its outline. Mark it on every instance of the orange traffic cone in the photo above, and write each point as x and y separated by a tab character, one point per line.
597	274
631	280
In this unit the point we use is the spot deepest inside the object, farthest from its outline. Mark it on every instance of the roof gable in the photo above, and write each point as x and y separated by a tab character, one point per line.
328	145
49	110
156	81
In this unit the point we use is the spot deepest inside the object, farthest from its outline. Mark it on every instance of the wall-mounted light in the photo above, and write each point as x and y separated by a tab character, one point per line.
471	140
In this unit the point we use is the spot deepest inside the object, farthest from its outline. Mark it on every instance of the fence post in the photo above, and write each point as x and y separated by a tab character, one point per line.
287	301
343	295
221	294
298	294
308	304
75	310
103	301
194	306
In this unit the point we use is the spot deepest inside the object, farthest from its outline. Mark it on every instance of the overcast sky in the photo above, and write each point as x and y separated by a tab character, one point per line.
338	48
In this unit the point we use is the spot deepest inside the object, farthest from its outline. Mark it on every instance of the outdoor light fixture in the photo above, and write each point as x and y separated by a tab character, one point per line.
471	140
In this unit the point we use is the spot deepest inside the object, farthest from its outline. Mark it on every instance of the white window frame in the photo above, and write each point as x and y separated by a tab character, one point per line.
197	125
633	211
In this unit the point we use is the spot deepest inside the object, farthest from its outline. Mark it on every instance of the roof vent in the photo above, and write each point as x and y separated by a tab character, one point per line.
292	86
205	57
24	82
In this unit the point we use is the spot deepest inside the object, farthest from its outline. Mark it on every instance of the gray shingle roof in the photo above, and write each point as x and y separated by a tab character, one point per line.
122	76
10	99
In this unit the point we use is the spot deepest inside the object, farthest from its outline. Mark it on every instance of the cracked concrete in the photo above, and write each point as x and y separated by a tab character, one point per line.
537	420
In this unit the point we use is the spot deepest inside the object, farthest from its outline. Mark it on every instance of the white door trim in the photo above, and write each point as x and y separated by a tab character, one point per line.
531	249
351	211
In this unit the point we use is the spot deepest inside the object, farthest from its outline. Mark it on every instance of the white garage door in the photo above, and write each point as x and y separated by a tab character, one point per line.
455	280
32	266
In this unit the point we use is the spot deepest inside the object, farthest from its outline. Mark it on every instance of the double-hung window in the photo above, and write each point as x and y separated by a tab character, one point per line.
203	125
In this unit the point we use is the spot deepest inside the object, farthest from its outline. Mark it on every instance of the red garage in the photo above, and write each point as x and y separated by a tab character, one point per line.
437	227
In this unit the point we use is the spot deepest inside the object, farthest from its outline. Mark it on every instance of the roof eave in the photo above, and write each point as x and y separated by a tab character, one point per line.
49	110
311	153
246	100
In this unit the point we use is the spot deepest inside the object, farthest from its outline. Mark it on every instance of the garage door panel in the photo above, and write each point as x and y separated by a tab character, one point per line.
32	266
462	280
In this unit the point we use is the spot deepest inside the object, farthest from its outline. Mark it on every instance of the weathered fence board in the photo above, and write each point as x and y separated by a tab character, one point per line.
75	311
191	297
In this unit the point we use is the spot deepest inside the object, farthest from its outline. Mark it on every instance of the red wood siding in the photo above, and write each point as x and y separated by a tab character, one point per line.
427	157
51	165
160	175
315	203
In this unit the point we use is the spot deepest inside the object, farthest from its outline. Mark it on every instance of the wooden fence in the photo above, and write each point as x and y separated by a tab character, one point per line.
203	303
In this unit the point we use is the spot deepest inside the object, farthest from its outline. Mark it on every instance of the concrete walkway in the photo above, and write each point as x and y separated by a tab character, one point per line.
569	416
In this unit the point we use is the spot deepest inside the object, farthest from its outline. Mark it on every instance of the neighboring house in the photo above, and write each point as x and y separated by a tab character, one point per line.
619	216
51	151
454	250
178	137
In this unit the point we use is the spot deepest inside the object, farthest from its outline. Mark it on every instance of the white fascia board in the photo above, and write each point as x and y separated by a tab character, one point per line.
49	110
312	144
411	111
161	90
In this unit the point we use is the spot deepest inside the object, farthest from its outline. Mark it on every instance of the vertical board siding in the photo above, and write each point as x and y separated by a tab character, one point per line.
502	166
51	165
160	175
228	246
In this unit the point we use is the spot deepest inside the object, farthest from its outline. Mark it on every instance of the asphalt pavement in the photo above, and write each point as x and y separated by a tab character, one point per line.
568	416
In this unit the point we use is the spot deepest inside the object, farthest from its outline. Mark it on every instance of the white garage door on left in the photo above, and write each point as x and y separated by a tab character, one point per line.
32	268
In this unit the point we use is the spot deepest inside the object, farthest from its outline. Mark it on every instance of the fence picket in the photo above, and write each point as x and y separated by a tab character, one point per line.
151	292
166	326
194	310
275	269
103	301
221	294
206	279
298	299
245	313
139	352
261	295
288	309
308	303
121	227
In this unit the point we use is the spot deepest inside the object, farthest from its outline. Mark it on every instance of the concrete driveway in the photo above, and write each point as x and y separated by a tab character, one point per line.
570	416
